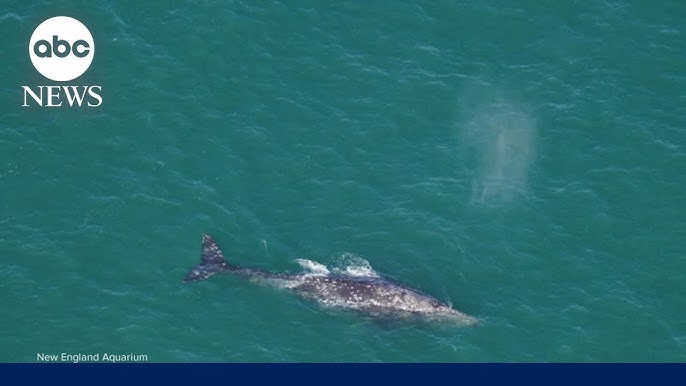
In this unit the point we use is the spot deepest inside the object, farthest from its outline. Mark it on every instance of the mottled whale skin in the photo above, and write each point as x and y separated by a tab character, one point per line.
372	295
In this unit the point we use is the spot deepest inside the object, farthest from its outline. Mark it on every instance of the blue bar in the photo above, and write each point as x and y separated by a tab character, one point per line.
350	374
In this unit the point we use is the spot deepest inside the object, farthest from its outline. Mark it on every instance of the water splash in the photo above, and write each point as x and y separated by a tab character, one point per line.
314	268
350	264
346	264
503	137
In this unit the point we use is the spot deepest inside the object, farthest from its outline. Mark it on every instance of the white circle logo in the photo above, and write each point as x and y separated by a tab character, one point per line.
61	48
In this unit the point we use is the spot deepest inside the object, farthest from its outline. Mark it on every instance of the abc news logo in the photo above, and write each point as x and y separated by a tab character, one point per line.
47	49
61	49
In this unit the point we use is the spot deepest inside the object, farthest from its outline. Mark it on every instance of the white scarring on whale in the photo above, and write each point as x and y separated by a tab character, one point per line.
370	293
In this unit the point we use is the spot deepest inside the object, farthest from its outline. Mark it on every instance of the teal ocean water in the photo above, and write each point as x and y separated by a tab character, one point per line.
525	162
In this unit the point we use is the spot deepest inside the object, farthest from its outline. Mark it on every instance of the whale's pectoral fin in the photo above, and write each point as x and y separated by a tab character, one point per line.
212	261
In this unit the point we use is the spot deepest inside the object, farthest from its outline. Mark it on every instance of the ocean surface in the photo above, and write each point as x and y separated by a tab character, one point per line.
524	161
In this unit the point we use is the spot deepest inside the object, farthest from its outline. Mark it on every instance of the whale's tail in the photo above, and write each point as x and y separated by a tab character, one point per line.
212	261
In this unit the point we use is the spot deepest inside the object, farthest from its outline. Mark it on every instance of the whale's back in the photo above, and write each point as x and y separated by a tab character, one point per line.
372	294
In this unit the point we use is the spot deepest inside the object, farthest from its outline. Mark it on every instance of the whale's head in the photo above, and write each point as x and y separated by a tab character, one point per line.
452	315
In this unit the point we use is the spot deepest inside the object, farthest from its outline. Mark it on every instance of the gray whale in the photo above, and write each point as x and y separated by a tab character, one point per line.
372	295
